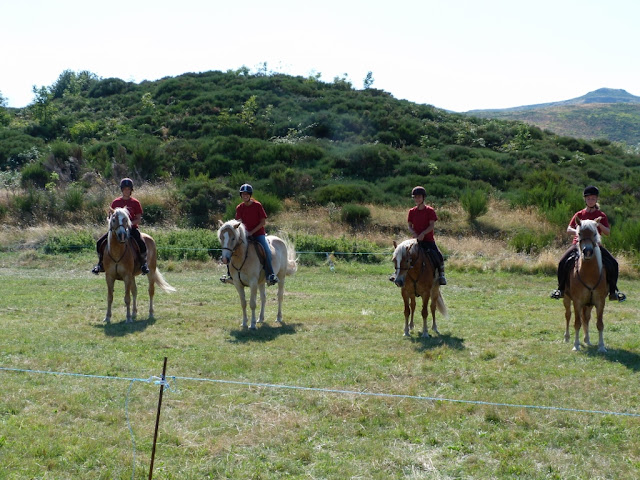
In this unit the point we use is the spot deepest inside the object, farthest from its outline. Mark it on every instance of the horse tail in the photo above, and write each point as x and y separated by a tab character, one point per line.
292	258
440	305
162	283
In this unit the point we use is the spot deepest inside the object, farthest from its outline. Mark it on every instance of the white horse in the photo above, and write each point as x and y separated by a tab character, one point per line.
247	270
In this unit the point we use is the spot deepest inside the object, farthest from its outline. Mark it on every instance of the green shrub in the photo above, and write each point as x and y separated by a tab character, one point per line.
315	248
201	198
73	198
27	203
528	242
194	244
272	204
355	215
154	213
341	193
474	203
625	236
72	241
34	175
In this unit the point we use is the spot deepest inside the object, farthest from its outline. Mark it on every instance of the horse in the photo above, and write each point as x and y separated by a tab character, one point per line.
121	263
247	270
587	285
416	276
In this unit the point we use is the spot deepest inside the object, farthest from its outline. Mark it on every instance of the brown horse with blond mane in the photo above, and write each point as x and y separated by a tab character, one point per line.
416	276
121	262
587	285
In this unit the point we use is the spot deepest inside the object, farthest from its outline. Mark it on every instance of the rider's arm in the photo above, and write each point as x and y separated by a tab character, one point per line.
136	219
259	226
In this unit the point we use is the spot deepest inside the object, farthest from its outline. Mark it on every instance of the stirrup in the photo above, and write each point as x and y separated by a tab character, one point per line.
226	279
557	294
619	296
97	269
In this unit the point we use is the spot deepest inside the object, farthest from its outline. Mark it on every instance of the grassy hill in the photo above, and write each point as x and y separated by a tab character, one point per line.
299	141
603	113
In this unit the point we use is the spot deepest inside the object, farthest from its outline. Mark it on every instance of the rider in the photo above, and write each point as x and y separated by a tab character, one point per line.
421	221
251	213
591	212
134	210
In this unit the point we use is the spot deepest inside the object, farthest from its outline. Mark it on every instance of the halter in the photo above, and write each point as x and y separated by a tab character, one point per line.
126	243
591	289
246	255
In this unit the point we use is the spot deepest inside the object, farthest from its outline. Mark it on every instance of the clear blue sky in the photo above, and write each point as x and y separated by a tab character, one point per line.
454	54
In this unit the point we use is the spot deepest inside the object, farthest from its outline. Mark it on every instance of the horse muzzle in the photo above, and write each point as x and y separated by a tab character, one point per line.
398	280
587	251
122	234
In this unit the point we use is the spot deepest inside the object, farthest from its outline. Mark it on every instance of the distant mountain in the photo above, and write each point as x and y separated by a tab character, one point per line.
608	113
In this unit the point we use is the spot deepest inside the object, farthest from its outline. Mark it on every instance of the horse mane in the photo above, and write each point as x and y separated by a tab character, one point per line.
235	226
592	226
123	211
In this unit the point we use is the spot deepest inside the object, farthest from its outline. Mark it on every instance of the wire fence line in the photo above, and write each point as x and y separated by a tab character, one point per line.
272	386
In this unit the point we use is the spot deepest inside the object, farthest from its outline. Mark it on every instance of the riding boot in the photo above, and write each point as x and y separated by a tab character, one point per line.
144	268
226	278
99	267
441	279
271	277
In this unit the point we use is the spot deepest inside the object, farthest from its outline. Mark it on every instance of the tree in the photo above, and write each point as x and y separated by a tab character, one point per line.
43	107
368	80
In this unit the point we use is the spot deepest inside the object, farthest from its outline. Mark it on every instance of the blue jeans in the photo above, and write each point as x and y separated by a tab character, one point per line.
262	240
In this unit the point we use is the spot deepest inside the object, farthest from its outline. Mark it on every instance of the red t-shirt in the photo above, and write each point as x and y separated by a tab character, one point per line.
251	215
420	219
584	215
132	205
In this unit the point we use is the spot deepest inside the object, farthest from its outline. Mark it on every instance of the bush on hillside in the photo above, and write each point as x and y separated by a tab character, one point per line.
201	198
355	215
474	203
34	175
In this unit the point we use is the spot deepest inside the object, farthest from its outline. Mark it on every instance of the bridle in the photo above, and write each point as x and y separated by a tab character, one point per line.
580	248
119	231
232	252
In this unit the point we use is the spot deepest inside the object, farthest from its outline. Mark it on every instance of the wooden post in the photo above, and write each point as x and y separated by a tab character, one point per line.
155	435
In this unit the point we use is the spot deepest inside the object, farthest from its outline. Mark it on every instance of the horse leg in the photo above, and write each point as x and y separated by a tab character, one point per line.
567	317
600	325
243	303
263	300
413	311
127	298
577	314
425	315
110	282
280	297
252	303
586	318
434	306
134	294
407	312
152	291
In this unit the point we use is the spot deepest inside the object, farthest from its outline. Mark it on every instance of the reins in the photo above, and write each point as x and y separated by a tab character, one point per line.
126	246
591	289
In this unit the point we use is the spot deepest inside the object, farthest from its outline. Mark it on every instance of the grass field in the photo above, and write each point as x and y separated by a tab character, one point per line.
501	344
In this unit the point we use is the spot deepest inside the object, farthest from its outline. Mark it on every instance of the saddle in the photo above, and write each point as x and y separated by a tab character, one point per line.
431	255
262	256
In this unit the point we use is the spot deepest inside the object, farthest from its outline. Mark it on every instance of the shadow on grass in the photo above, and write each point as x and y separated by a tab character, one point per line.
631	360
120	329
264	333
435	341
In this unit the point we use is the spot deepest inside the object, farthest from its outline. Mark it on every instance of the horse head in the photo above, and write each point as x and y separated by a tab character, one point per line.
120	224
588	237
402	261
231	235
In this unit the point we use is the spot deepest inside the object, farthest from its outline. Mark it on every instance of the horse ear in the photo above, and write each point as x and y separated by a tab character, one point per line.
578	221
237	225
598	220
220	223
395	245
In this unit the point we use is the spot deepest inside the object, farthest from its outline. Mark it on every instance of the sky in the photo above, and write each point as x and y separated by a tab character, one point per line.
459	55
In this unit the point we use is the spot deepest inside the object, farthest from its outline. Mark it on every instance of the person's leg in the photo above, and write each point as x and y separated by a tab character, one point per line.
438	259
268	267
135	233
100	250
612	269
563	267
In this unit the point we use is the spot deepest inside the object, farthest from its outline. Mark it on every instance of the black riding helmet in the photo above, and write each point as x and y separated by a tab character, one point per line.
126	182
419	191
246	188
591	190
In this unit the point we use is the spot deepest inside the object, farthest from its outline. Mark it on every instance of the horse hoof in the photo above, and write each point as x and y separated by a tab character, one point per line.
602	350
107	320
576	349
252	327
406	334
426	335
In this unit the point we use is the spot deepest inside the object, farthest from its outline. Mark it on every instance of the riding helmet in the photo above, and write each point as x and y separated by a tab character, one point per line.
591	190
126	182
246	188
419	191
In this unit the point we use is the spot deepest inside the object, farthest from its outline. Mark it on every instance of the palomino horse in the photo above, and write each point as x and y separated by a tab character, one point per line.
246	267
587	285
121	263
417	277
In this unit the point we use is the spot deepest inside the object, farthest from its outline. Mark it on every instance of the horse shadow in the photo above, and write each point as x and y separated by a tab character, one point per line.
121	329
435	341
629	359
264	333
